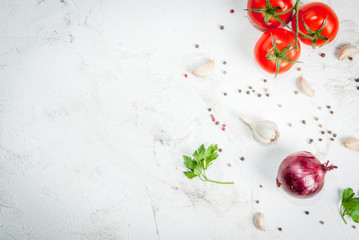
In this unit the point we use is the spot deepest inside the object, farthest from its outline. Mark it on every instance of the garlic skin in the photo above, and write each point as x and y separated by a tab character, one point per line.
347	51
259	221
264	132
204	70
305	87
352	143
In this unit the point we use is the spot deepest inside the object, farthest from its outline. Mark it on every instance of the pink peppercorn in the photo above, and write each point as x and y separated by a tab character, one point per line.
232	11
185	75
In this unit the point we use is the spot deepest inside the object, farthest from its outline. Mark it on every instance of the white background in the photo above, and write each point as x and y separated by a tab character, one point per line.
95	115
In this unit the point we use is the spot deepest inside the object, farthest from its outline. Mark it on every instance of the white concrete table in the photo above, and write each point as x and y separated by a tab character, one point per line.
95	115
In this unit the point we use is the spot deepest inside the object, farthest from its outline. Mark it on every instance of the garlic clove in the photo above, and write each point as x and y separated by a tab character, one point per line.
352	143
249	122
305	87
259	221
267	132
204	70
347	51
264	132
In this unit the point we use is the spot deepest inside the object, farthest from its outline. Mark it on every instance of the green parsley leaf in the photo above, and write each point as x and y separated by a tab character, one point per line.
355	215
189	162
350	205
210	159
347	194
203	158
200	153
198	170
190	175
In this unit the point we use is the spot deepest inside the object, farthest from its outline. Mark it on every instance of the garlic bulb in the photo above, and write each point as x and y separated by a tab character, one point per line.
263	131
352	143
259	221
347	51
305	88
204	70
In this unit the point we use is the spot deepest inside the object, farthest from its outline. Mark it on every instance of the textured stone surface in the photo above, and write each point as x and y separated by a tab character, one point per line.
95	115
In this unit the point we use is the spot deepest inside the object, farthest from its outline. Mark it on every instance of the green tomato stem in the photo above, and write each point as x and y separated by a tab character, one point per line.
296	8
284	12
296	24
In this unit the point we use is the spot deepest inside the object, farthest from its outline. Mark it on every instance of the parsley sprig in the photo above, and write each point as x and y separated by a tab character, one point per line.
202	159
350	205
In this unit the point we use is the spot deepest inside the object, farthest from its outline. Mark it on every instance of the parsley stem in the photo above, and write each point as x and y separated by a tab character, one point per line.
208	180
343	213
344	219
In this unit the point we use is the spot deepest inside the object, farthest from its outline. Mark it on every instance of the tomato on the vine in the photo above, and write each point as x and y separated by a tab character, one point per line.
275	50
318	22
267	14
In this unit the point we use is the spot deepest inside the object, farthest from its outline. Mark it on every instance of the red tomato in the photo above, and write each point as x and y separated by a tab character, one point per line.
314	15
267	57
258	18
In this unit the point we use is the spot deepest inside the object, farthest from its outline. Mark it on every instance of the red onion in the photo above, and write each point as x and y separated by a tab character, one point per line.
302	175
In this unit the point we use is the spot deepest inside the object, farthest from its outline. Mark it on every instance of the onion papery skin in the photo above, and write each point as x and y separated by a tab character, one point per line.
302	175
